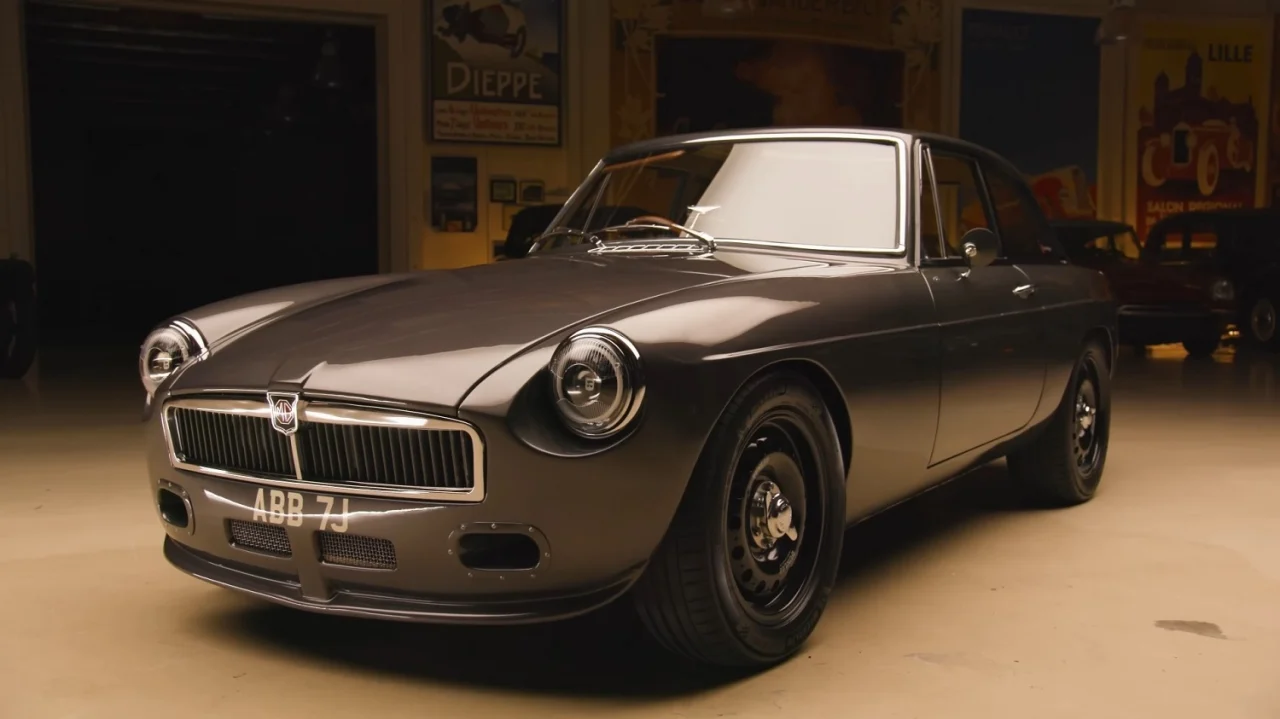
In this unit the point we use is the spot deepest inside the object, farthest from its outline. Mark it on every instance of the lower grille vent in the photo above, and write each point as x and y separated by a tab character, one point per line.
260	538
350	550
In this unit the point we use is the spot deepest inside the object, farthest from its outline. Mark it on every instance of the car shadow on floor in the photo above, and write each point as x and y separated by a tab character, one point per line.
607	653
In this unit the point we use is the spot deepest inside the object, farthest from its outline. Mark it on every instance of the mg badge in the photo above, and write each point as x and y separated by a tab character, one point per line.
284	411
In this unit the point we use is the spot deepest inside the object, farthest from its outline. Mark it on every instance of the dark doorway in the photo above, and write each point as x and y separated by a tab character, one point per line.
180	158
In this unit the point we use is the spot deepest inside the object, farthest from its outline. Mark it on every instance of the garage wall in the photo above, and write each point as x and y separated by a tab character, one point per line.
585	138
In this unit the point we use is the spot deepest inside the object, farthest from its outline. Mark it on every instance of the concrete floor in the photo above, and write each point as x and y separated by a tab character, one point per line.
1159	599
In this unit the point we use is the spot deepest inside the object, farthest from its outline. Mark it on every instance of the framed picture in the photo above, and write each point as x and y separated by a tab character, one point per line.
503	190
532	192
453	194
496	71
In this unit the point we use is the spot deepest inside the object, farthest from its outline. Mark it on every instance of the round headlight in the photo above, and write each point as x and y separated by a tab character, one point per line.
1222	291
164	351
596	382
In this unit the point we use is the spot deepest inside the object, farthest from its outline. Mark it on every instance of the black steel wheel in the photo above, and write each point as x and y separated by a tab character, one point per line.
749	560
1261	324
1063	464
17	319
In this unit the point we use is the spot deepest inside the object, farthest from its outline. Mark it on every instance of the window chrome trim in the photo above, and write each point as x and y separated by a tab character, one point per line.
327	412
900	145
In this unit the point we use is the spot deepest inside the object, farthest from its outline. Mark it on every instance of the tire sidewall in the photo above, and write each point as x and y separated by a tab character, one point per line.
768	643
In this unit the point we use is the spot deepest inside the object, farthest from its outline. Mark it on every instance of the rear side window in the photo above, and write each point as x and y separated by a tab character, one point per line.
1024	233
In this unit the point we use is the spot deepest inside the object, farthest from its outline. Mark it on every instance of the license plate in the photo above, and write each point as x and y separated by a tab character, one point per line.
276	506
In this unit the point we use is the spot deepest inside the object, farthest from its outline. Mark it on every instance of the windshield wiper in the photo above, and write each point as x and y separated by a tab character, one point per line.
568	231
650	222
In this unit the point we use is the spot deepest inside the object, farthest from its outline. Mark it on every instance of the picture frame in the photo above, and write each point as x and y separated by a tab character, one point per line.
454	202
533	192
502	190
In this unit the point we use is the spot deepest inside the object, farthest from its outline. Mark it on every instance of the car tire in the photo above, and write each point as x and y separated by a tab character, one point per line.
1260	325
1063	465
710	592
17	319
1200	348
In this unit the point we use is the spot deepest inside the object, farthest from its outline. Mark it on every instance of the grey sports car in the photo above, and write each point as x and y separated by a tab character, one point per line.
686	407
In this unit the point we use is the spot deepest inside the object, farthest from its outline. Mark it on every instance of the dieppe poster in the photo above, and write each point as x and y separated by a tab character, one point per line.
496	68
1199	101
1048	128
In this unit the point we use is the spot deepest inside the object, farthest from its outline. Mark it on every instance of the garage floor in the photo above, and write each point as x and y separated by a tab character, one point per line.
1159	599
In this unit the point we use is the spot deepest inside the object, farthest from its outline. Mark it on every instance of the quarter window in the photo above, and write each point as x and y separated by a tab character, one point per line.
960	198
1024	234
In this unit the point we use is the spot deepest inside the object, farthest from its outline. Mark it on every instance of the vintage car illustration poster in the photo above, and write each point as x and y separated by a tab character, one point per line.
1050	128
1200	100
495	69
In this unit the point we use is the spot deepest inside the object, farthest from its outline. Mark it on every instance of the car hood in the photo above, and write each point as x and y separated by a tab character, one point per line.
427	338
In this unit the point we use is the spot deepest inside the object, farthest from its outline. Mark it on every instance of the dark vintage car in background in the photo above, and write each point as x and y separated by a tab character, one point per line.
686	408
1099	244
1198	277
1227	262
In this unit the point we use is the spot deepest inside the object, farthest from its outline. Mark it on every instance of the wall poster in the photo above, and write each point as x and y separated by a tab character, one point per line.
496	68
1198	104
1048	126
684	65
454	196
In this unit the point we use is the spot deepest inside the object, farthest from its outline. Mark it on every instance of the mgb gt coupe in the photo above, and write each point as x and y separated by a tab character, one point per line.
726	349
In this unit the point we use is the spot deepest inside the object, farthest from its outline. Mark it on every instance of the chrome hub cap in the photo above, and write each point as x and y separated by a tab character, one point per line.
1262	320
767	527
771	516
1086	447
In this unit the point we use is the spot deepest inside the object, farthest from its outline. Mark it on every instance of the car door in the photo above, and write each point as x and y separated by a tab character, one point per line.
992	371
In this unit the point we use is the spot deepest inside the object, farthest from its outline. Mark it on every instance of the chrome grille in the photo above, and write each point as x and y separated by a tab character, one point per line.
260	538
234	442
336	446
386	455
355	551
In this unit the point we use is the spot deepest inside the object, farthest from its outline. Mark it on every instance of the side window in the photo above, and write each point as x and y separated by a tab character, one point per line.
960	198
930	234
1024	234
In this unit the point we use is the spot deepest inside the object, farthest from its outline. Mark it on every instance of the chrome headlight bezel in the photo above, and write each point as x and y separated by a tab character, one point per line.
174	337
1221	290
620	359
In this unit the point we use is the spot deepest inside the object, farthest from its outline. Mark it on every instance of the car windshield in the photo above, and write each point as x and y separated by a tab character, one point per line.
1085	243
836	194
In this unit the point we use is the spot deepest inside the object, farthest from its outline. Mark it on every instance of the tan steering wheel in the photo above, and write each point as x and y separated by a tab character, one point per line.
652	220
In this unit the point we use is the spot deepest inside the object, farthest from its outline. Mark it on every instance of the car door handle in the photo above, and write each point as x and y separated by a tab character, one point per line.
1024	291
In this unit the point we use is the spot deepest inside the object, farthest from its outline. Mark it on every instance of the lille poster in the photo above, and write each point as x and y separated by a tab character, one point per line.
496	68
1199	104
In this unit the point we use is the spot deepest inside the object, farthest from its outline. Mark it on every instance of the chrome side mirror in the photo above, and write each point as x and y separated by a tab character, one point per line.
980	247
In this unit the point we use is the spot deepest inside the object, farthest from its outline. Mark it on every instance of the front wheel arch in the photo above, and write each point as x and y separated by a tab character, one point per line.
828	390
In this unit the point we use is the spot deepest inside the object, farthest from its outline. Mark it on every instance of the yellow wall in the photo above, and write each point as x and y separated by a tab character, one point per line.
461	249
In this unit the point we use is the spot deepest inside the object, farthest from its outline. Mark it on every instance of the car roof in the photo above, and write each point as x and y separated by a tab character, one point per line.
1096	225
675	142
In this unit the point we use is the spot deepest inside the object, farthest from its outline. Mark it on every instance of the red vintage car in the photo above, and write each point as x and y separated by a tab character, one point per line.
1170	290
1196	152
